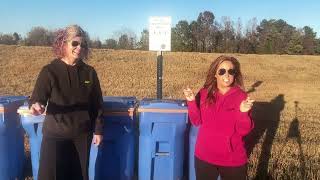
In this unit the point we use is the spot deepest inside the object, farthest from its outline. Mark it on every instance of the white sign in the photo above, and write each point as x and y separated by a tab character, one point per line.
160	33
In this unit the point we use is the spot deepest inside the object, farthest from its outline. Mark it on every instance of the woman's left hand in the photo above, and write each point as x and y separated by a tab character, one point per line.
246	105
97	139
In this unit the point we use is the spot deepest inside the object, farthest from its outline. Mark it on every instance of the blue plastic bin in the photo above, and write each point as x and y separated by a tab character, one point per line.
192	143
162	125
11	138
33	127
114	159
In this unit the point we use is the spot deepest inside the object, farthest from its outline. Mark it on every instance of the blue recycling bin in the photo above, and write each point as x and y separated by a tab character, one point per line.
11	138
115	158
192	142
162	125
193	134
33	127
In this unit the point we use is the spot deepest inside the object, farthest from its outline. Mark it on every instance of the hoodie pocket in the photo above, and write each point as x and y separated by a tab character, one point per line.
221	145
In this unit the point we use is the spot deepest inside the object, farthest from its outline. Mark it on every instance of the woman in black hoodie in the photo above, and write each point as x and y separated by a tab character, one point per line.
68	91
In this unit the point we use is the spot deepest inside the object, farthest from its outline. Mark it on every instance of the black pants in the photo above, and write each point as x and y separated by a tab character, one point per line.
64	159
207	171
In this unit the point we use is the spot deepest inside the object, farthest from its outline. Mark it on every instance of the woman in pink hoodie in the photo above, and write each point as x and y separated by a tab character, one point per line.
222	110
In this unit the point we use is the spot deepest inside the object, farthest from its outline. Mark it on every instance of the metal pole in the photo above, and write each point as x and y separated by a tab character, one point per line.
159	74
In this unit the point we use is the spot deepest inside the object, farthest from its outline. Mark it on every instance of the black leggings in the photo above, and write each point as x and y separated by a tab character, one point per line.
62	159
207	171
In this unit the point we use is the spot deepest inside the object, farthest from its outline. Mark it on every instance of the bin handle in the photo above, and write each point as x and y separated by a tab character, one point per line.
23	111
162	154
26	112
156	110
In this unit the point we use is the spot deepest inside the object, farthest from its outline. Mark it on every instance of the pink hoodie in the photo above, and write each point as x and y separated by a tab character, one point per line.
222	127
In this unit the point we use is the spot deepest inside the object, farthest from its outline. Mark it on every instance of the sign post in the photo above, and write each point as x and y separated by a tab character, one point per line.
159	40
159	74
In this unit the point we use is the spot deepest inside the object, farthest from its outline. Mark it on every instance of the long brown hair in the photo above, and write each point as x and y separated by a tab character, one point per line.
211	81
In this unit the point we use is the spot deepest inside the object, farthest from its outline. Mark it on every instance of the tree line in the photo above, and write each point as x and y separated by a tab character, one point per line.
205	34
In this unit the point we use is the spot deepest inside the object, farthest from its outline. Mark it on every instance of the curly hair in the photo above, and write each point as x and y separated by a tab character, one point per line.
211	81
65	34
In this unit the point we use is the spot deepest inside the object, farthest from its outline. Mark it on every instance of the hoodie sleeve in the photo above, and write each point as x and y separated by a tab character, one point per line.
97	105
42	89
194	111
244	122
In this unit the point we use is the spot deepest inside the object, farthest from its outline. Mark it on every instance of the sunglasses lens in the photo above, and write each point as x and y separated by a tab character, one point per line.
221	72
75	43
232	72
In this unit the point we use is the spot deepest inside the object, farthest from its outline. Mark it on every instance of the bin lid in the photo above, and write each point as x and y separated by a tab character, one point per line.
119	103
24	110
29	118
163	105
4	100
7	101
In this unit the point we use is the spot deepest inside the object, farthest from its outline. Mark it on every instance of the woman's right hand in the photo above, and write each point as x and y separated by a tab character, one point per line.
37	109
188	93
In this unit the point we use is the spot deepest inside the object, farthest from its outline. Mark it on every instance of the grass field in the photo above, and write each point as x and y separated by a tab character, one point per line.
285	143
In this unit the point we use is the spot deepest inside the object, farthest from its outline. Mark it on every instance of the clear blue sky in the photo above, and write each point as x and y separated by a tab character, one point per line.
101	18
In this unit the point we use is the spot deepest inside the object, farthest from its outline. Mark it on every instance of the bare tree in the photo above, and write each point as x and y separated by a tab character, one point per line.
143	44
203	29
228	34
111	44
39	36
251	37
7	39
95	44
127	36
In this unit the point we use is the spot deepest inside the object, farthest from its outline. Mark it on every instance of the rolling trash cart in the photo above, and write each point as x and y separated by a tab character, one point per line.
162	125
33	127
12	156
115	157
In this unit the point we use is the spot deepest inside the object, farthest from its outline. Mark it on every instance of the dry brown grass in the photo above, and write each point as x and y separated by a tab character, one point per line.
286	141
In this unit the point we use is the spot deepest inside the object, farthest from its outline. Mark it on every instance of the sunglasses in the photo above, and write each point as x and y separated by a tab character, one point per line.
77	43
222	71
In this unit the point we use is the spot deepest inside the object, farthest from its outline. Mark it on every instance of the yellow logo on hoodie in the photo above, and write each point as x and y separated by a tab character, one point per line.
87	82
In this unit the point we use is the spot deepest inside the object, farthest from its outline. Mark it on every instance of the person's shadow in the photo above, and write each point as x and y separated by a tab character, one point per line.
294	133
266	116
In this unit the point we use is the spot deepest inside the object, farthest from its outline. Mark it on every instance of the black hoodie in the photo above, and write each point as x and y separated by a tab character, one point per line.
73	97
